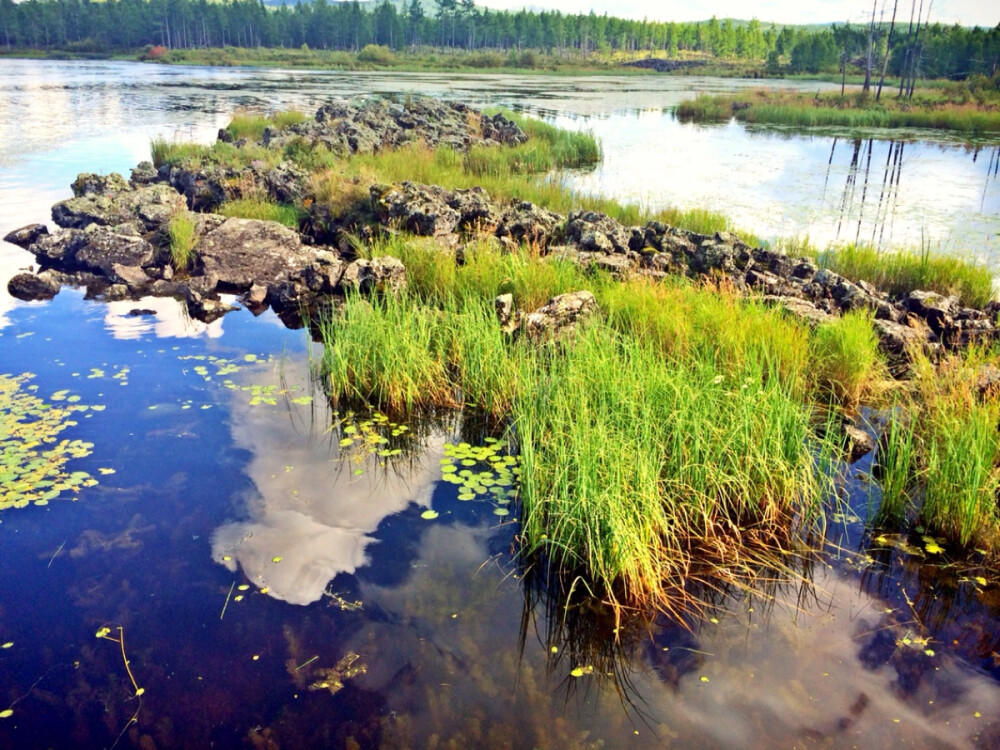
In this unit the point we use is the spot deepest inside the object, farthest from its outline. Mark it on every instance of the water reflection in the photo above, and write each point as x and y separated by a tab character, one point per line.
311	508
162	317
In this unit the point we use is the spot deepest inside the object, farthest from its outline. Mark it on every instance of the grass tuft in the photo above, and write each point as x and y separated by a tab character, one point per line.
183	238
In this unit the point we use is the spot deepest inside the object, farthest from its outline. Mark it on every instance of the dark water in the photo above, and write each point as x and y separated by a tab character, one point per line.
247	549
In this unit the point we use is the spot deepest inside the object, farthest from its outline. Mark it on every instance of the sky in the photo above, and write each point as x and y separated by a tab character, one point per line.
966	12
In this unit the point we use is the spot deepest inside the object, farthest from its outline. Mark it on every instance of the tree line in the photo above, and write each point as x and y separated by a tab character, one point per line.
117	25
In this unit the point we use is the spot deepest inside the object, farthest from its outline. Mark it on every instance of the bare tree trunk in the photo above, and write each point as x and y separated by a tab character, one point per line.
888	50
919	50
871	50
909	51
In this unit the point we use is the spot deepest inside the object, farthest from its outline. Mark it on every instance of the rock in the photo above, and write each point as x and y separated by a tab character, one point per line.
132	276
714	256
619	266
144	173
421	209
30	287
58	249
88	183
257	295
525	223
897	340
801	309
146	208
595	232
102	249
385	274
988	382
858	443
560	316
935	308
504	307
206	309
242	252
26	236
324	275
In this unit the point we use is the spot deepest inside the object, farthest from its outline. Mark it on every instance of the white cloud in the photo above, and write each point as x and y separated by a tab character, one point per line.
967	12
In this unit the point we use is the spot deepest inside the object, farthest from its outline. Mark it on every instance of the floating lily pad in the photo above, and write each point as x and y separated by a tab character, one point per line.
429	515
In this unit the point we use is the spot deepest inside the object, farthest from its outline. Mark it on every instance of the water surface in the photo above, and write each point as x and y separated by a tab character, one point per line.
254	547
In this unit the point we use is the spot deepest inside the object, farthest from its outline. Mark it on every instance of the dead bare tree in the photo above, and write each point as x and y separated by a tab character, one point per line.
888	50
871	50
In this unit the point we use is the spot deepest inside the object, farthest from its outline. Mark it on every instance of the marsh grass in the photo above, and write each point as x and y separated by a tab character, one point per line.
846	361
183	238
900	272
638	447
851	111
939	458
257	208
251	125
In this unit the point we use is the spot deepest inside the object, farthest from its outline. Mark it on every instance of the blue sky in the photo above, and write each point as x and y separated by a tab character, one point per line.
967	12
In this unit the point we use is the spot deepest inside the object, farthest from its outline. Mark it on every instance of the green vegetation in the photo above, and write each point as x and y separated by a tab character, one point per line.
257	208
941	459
33	459
251	126
900	272
681	424
183	238
929	110
848	364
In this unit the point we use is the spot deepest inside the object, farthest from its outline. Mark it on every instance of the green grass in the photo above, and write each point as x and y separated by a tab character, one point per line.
181	232
900	272
255	208
847	364
939	460
850	111
251	125
641	449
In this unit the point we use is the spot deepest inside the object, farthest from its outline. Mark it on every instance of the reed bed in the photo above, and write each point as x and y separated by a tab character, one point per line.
902	271
939	462
851	111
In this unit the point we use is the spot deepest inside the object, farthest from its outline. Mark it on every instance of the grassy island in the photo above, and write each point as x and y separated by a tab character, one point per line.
686	429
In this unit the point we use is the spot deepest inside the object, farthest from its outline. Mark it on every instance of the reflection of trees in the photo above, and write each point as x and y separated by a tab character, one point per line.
851	200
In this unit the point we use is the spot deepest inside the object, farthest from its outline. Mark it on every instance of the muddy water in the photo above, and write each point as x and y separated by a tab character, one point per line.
280	575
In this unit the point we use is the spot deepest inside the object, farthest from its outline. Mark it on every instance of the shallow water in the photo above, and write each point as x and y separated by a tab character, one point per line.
210	486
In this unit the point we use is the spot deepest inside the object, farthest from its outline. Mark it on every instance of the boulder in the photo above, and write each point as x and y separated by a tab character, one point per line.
504	307
385	274
858	443
934	308
242	252
560	316
146	208
802	309
421	209
593	231
30	287
525	223
102	249
26	236
897	340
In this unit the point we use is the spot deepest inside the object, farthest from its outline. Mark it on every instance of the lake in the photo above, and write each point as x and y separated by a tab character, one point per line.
230	563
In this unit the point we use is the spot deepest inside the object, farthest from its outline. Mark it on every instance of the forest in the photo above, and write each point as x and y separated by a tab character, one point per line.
83	27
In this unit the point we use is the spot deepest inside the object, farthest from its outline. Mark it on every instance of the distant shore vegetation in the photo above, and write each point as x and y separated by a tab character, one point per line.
449	34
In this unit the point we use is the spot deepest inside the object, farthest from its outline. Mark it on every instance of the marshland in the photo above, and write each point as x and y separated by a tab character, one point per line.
409	524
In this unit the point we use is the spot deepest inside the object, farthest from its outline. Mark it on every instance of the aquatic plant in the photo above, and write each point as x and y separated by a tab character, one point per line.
251	125
33	460
814	110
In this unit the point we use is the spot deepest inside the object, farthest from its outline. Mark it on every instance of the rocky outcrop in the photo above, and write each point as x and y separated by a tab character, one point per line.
241	252
112	202
923	321
367	126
